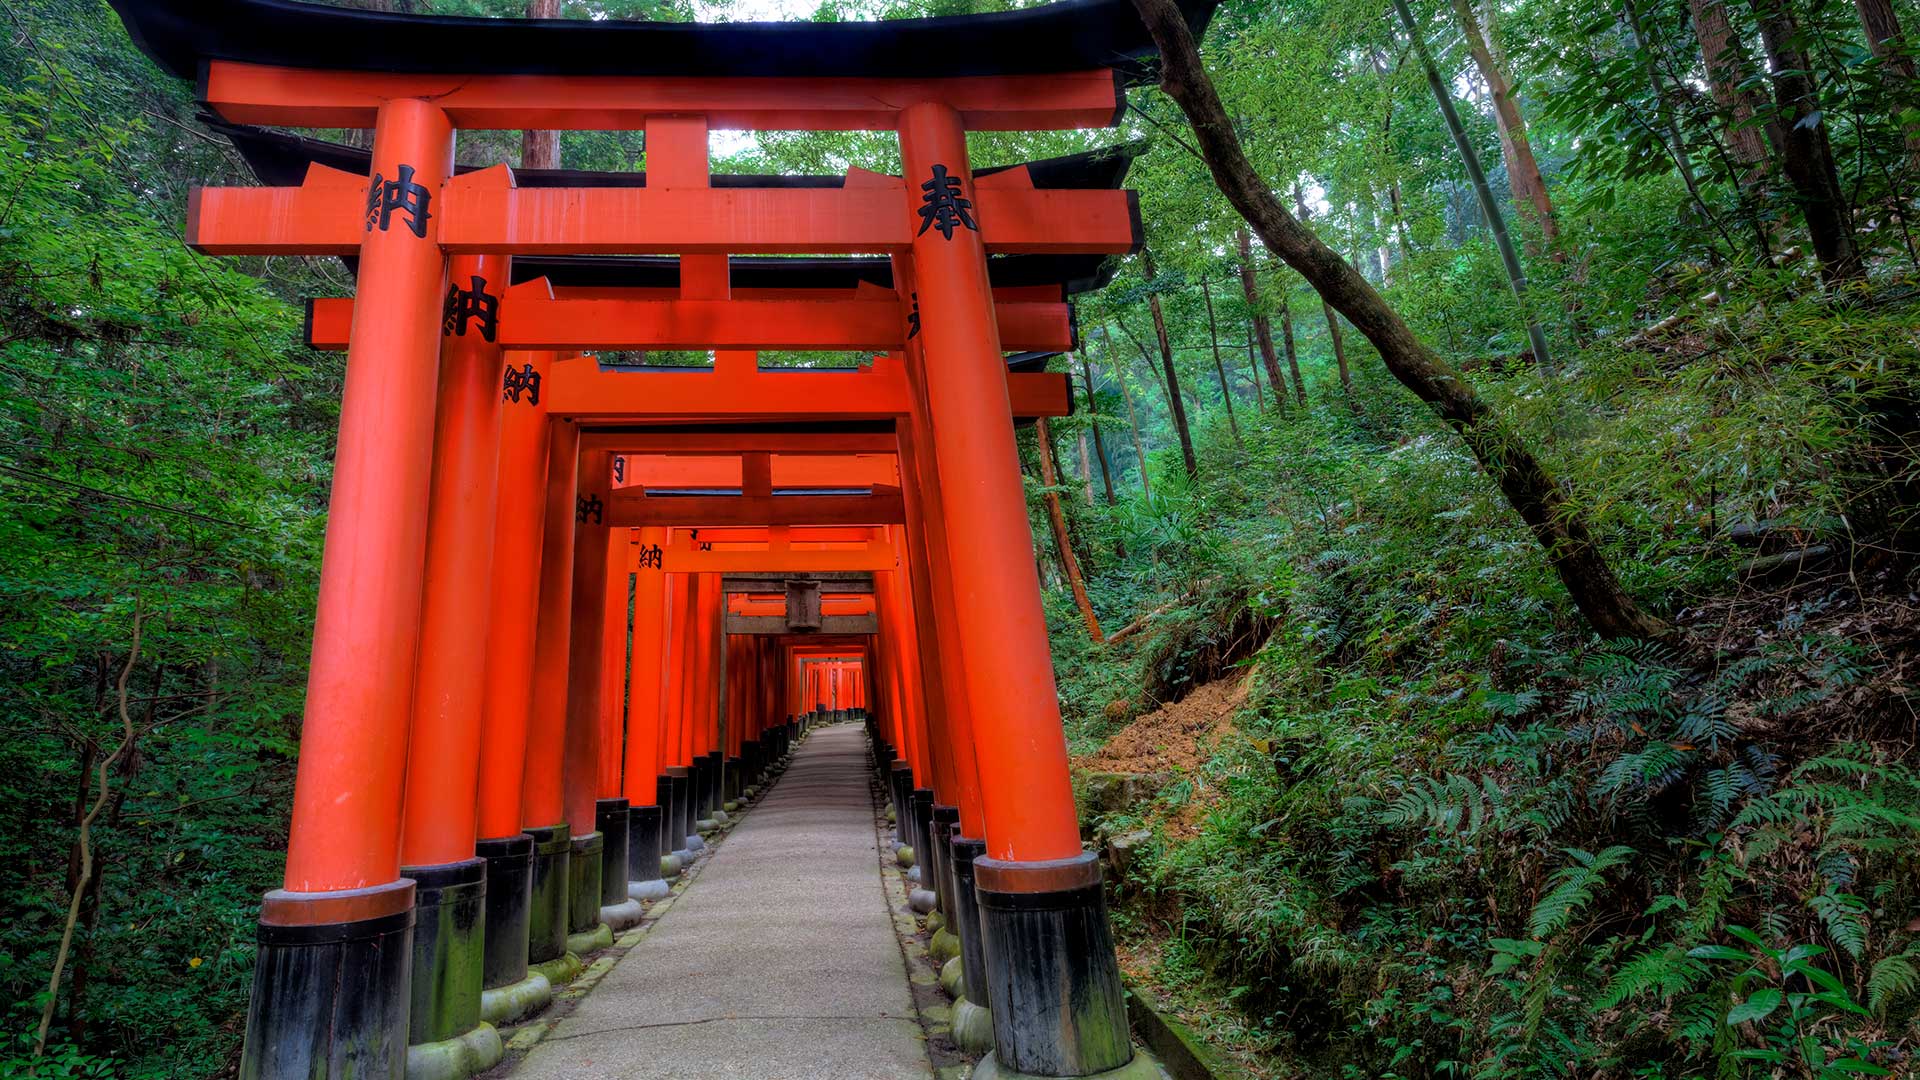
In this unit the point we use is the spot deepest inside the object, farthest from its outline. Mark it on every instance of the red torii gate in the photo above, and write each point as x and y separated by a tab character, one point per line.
344	917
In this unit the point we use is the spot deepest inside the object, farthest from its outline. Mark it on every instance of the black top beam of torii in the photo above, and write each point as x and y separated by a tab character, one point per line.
1072	35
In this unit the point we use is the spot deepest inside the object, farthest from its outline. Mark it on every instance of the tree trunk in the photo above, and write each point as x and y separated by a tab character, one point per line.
1881	24
1808	156
1333	320
1213	340
1086	466
1262	329
1133	419
1093	421
1728	73
1554	518
1523	172
1061	542
541	149
1175	404
1293	353
1253	370
1496	222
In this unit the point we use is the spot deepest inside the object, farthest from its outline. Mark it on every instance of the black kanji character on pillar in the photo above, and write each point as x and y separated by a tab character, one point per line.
465	304
650	556
913	318
619	469
386	196
944	207
587	509
526	380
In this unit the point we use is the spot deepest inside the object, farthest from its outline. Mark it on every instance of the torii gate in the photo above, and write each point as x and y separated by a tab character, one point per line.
344	919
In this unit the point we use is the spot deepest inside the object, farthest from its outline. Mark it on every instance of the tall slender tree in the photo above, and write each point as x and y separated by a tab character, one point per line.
1176	406
1334	336
1263	329
1469	157
1807	155
1889	45
1213	341
1093	421
1523	171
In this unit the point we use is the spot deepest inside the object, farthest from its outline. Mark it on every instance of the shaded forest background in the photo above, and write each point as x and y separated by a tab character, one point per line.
1440	828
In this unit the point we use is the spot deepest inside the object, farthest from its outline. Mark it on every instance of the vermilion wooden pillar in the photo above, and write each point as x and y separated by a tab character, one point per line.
645	783
518	528
581	759
613	664
443	758
1058	1006
678	738
343	916
543	799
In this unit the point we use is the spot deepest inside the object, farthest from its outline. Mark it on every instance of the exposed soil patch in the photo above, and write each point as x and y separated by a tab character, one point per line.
1177	737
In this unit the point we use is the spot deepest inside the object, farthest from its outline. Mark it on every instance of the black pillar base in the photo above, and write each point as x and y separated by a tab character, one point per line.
965	920
716	781
679	823
900	785
643	843
330	985
449	948
583	883
610	818
1058	1006
940	856
730	785
923	835
749	764
509	862
547	907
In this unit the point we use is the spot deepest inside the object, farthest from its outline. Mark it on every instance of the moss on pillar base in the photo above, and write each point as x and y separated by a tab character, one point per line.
504	1004
935	921
669	866
469	1053
944	946
953	977
449	950
903	855
590	941
972	1028
559	971
584	884
1142	1067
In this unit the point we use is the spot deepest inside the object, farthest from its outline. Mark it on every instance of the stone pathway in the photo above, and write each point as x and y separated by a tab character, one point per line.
779	962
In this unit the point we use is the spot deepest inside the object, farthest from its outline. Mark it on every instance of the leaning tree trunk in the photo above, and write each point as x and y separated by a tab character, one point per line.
1881	24
1523	172
1263	329
1062	543
1554	518
1175	404
1213	339
1807	157
1496	222
1093	421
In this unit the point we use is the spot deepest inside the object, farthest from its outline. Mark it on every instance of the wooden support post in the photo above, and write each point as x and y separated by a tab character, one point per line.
341	918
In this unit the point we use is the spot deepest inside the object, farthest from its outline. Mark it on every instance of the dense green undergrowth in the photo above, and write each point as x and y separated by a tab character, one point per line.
1451	835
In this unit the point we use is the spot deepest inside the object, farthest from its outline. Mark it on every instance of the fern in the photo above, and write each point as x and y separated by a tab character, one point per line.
1665	971
1845	917
1573	888
1893	978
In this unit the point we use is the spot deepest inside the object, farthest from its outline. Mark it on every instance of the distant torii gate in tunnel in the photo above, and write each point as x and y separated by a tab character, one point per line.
473	500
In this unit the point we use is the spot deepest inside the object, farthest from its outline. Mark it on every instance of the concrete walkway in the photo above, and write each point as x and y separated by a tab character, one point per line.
778	962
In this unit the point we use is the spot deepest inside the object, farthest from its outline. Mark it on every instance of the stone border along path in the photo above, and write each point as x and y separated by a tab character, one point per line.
781	962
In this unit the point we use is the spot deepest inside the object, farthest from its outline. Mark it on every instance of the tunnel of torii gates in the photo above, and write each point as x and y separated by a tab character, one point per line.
474	807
